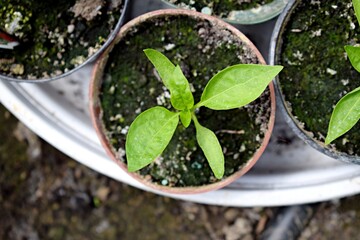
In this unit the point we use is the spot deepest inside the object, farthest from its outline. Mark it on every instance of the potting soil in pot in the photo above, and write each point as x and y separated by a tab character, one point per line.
317	72
54	35
220	8
131	85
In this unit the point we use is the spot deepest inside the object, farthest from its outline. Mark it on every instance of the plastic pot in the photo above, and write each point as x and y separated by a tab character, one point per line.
106	61
286	106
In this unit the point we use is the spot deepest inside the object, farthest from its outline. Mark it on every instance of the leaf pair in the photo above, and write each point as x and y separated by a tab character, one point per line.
159	121
153	129
173	78
347	111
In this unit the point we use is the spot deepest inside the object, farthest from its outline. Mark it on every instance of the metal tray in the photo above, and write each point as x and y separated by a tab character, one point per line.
290	172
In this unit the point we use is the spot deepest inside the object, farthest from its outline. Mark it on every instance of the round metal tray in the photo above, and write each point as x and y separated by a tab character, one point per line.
290	172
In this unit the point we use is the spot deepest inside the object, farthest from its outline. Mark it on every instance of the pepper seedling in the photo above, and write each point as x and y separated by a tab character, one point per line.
152	130
347	111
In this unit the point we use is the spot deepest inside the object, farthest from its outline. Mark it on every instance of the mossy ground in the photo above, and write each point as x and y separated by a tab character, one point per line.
316	70
220	8
130	87
52	40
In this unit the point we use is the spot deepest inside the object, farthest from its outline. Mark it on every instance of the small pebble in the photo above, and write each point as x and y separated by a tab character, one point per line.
70	28
164	182
206	10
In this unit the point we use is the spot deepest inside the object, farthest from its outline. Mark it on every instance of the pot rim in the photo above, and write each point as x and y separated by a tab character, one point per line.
275	49
93	57
251	16
96	114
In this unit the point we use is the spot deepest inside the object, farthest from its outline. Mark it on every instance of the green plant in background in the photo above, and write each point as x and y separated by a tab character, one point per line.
152	130
347	111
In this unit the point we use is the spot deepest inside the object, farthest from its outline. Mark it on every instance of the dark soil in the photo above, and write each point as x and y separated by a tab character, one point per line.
130	87
316	71
55	36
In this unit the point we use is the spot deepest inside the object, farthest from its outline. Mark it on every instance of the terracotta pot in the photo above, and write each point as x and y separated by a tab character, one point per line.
250	16
276	49
97	112
90	58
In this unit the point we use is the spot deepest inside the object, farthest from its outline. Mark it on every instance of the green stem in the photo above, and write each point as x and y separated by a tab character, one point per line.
194	118
198	105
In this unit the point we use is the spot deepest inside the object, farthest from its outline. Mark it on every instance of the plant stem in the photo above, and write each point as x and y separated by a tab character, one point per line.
194	118
198	105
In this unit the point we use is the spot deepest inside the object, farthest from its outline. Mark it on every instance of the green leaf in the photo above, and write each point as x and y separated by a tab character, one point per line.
237	86
345	115
356	4
162	64
210	145
180	94
148	136
354	56
173	78
185	117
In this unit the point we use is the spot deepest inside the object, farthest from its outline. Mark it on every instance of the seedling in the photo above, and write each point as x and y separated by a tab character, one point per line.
152	130
347	111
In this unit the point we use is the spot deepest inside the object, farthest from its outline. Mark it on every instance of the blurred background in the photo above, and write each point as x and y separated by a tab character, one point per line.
47	195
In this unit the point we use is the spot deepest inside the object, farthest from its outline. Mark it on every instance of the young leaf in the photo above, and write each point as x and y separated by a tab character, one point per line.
185	117
345	115
356	4
180	94
210	145
148	136
162	64
354	56
173	78
237	86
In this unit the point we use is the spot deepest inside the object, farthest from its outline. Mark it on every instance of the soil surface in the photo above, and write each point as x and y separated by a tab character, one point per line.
47	195
54	36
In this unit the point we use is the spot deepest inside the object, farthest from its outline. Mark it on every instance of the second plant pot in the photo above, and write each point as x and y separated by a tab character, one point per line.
47	40
309	40
124	83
